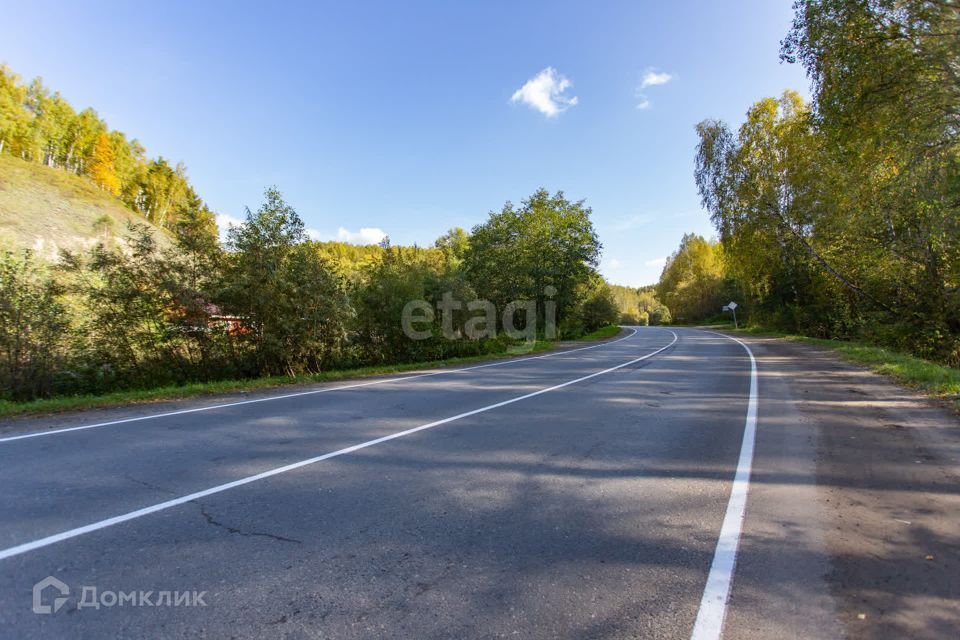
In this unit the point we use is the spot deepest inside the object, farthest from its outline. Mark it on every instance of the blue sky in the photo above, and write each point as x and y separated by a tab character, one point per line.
411	117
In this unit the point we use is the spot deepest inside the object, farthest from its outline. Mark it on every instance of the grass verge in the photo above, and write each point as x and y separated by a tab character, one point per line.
936	380
138	396
602	333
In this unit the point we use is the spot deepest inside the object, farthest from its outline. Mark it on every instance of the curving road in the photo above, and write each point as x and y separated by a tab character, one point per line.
583	493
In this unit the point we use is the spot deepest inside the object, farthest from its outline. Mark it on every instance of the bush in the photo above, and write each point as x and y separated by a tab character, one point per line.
33	328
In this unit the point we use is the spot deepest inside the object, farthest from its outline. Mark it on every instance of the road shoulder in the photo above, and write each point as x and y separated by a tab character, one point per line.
854	495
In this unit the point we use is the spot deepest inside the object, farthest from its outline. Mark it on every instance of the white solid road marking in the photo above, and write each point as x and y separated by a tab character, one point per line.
139	513
713	605
355	385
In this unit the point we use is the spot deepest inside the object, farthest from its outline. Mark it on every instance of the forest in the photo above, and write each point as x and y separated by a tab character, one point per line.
840	218
140	315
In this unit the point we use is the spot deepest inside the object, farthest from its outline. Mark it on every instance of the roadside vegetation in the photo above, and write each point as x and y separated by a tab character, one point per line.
640	306
160	304
58	404
184	314
840	218
602	333
934	379
838	221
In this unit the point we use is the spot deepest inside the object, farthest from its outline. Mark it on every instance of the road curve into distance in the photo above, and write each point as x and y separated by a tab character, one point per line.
592	492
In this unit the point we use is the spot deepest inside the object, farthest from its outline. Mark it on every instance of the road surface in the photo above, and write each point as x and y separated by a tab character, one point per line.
593	492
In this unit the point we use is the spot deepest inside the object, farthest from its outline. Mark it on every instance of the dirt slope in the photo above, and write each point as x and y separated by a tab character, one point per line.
48	210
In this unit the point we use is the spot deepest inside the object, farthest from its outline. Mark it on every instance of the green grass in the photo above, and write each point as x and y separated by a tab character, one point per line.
602	333
137	396
933	379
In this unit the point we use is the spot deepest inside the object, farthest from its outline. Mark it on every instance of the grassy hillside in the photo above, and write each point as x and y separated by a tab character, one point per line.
48	209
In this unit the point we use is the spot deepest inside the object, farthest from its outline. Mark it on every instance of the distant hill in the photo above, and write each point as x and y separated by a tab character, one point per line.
46	210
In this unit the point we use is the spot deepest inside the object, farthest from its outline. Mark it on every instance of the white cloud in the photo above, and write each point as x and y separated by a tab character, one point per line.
366	235
224	222
613	264
653	79
544	92
656	262
650	78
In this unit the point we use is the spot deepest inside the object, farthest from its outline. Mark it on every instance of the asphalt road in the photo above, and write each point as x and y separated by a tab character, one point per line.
580	494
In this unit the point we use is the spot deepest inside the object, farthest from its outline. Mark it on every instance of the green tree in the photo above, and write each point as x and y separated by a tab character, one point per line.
692	282
125	337
289	298
771	194
454	244
887	97
14	118
598	307
130	165
194	277
386	289
82	139
627	300
318	315
163	190
519	252
33	328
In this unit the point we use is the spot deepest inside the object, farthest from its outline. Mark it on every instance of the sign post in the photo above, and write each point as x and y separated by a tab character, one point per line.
732	307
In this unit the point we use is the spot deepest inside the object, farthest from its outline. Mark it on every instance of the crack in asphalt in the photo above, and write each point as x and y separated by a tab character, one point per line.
148	485
248	534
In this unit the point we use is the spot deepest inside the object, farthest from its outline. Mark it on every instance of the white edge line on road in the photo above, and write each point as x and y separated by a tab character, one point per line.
139	513
50	432
713	605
